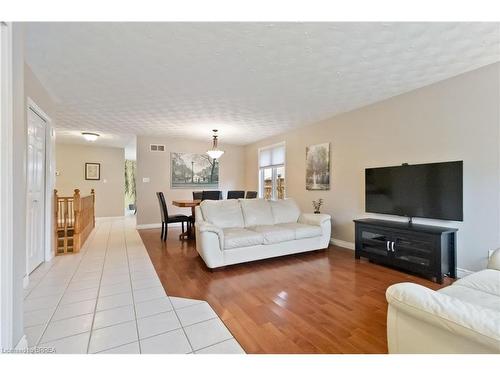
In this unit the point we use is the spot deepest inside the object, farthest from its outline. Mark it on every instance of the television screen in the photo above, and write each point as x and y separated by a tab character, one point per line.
423	190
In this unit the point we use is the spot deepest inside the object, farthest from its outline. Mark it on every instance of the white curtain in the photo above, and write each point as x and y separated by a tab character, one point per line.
272	156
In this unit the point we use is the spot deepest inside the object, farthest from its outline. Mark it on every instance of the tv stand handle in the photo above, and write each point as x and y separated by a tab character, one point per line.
392	247
387	244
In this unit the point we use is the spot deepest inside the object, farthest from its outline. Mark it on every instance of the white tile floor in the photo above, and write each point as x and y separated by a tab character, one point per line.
108	299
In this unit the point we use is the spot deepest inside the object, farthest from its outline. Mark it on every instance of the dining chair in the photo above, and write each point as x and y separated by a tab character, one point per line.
251	195
166	218
213	195
197	195
235	194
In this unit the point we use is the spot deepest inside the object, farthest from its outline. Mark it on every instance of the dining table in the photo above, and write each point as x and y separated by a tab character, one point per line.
186	203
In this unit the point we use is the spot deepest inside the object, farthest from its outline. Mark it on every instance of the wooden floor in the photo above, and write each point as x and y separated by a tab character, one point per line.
319	302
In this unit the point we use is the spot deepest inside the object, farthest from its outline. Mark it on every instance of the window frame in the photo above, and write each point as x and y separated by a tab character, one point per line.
274	168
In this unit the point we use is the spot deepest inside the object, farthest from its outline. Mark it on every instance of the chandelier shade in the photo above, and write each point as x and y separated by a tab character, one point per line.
215	153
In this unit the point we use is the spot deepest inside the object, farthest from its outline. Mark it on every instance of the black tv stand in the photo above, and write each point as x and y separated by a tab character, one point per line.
423	249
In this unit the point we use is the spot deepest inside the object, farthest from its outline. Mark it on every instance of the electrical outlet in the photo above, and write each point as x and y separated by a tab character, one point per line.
145	179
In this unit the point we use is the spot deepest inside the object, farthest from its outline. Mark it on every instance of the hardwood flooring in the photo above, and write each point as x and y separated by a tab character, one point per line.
317	302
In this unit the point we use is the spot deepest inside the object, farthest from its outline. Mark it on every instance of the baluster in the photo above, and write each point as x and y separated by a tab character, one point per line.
65	224
77	219
56	223
92	212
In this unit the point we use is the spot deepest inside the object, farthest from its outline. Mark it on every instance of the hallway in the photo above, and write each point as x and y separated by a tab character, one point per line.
108	299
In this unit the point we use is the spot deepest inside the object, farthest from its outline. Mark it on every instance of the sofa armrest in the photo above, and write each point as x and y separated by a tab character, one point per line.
209	243
204	226
314	219
494	261
460	318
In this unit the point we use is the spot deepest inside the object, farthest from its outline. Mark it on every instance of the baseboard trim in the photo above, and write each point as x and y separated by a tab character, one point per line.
155	226
341	243
461	273
148	226
22	344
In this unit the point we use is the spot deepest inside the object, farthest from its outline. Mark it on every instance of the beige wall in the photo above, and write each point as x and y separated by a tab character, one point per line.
35	90
456	119
110	189
156	166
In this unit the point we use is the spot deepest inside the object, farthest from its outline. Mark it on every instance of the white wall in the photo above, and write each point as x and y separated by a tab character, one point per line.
109	190
156	167
19	181
456	119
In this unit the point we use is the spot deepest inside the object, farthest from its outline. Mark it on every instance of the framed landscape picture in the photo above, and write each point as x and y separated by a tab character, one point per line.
318	167
193	171
92	171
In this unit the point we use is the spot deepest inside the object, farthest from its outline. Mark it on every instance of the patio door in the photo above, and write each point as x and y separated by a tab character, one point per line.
272	172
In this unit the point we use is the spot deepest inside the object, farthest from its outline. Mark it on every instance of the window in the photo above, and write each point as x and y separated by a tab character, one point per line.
272	172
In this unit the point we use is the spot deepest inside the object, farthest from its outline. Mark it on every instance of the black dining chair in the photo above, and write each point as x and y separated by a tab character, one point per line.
251	195
213	195
197	195
235	194
167	219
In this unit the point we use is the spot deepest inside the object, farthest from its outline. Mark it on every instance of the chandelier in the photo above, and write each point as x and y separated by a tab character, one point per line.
215	153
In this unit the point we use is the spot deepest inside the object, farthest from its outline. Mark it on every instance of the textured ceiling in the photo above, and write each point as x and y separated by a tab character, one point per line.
250	80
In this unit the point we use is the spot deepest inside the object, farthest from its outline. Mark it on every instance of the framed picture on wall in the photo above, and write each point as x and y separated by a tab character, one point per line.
92	171
193	171
318	167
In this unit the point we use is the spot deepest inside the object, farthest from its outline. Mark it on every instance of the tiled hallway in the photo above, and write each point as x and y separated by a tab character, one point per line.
108	299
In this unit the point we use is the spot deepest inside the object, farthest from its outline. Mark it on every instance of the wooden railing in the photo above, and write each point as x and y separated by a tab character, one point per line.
74	219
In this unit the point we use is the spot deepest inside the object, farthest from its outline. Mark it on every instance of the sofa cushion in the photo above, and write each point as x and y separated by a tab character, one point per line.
223	213
303	230
274	233
487	281
256	212
285	211
475	297
240	237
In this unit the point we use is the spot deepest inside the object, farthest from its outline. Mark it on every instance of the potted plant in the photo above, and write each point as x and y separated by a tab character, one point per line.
317	205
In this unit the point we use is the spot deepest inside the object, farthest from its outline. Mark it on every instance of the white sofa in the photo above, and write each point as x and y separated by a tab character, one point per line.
461	318
236	231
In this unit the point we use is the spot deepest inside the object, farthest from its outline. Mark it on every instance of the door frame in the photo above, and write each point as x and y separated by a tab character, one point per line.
6	188
49	183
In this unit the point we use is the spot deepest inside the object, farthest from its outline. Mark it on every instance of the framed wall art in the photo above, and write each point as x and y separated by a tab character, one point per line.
318	167
93	171
193	171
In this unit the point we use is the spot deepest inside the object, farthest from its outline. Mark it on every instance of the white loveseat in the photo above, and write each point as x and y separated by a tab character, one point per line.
461	318
236	231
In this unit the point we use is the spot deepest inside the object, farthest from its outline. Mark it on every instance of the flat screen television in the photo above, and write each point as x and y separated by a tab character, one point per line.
432	190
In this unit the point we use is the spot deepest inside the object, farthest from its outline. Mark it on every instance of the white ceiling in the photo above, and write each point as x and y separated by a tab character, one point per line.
249	80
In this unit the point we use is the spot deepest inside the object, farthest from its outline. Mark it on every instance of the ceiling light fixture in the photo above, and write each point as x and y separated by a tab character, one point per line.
90	137
215	153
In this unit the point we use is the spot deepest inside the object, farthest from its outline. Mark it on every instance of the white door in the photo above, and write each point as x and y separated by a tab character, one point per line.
36	190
